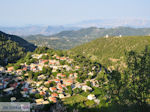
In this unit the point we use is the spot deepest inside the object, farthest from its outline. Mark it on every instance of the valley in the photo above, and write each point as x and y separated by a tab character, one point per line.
91	77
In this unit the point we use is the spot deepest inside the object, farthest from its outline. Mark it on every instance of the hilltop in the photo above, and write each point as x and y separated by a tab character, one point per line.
111	51
70	39
12	48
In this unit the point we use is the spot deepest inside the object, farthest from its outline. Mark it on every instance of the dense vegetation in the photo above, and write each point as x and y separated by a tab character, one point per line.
70	39
126	91
111	51
12	48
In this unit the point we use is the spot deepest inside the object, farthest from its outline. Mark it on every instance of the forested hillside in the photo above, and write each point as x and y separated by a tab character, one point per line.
12	48
111	51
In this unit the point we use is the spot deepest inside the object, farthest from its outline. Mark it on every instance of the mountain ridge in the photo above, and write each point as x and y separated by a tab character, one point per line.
35	29
70	39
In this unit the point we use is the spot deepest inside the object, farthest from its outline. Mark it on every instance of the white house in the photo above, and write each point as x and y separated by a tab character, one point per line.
2	69
91	97
41	77
13	99
61	96
8	90
85	88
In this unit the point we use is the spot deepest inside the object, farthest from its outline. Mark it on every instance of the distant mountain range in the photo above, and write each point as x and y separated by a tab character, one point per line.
70	39
34	30
100	23
93	32
110	23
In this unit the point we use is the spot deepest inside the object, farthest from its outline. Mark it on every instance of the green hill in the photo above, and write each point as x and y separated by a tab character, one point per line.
70	39
93	32
111	51
12	48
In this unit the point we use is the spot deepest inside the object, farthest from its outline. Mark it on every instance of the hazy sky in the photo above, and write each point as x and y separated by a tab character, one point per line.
59	12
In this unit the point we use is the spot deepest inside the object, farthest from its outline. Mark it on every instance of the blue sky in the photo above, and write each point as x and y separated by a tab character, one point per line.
60	12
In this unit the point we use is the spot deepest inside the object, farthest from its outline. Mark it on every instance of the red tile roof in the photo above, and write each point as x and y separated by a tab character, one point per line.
53	88
63	75
57	57
57	80
53	99
63	85
51	63
24	69
44	61
10	69
49	81
59	74
62	58
42	93
54	95
59	87
71	74
70	81
25	89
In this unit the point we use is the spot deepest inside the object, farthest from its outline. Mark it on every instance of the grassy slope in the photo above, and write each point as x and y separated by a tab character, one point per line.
103	49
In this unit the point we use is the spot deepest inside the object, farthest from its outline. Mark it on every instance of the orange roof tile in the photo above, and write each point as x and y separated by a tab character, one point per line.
10	68
63	75
63	85
57	80
59	87
53	99
71	74
42	93
24	69
49	81
59	74
70	81
54	94
53	88
57	57
44	61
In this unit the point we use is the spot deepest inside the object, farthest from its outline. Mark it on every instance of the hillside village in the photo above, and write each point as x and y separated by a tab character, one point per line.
74	80
48	79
